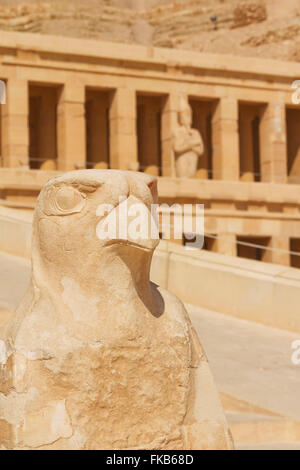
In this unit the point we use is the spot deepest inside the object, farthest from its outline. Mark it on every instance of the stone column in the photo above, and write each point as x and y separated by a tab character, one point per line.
277	257
169	121
71	128
247	167
273	152
15	125
123	130
225	244
225	160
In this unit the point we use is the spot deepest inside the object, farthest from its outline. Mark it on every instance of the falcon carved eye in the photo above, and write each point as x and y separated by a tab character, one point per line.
67	199
64	200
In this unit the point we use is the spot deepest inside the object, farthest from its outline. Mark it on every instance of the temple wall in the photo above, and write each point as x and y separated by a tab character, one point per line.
86	104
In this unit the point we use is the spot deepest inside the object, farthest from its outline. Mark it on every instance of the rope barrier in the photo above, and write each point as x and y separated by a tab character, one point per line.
253	245
238	242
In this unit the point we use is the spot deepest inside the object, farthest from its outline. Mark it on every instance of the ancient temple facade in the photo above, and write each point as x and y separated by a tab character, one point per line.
73	104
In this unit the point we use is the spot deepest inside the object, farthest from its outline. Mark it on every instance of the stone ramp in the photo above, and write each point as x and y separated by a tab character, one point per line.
251	363
260	387
259	430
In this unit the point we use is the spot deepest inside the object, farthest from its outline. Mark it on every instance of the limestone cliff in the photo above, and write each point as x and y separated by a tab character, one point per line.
265	28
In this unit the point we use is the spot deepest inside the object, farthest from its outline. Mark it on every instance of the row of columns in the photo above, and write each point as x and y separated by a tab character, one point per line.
71	141
278	252
226	244
71	133
226	143
273	163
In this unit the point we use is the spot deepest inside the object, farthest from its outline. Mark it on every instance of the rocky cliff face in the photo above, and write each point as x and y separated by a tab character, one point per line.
268	28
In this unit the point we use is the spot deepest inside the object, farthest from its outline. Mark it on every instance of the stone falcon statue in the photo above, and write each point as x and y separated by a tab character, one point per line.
96	356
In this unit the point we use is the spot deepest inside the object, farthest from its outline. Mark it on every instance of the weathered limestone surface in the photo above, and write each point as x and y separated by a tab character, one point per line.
14	125
97	357
71	127
123	139
226	140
